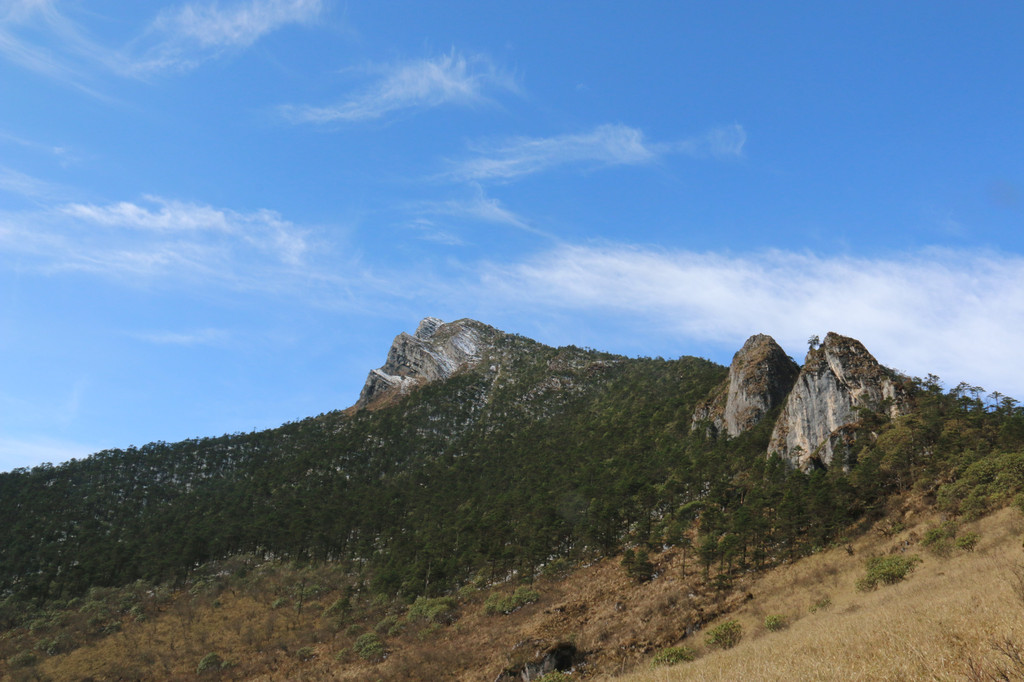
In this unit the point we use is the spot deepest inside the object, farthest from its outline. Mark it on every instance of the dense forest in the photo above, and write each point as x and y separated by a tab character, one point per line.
534	455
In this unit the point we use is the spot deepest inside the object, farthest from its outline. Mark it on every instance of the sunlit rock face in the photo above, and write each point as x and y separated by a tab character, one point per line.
838	379
760	377
433	353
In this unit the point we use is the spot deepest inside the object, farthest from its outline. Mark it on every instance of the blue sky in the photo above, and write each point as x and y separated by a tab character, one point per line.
215	216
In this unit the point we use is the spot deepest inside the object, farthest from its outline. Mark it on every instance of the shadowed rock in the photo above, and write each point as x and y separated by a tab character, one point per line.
760	376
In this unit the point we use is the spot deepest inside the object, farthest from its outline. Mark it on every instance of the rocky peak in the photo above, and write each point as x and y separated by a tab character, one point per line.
760	376
433	353
837	379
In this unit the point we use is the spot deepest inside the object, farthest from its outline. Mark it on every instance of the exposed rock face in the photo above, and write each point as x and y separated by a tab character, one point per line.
435	352
836	380
760	376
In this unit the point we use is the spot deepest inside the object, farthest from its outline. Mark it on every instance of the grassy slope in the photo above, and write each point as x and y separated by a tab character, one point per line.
950	620
946	621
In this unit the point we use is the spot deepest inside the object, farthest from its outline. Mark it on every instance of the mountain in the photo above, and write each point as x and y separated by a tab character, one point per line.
478	458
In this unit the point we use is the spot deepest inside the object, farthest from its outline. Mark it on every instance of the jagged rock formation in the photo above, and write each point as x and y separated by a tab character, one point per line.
837	379
433	353
760	377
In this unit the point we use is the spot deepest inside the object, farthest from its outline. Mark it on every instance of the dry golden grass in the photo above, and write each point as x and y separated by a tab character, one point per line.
956	618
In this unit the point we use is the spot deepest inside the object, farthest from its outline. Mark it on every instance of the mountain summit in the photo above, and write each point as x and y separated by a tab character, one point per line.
838	379
760	377
433	353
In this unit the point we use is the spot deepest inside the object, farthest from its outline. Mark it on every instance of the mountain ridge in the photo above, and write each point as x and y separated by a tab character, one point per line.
490	462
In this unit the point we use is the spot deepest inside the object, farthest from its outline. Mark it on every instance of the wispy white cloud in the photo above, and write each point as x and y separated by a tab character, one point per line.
957	314
606	145
189	34
238	25
38	36
35	35
453	78
160	240
27	186
429	230
478	209
263	229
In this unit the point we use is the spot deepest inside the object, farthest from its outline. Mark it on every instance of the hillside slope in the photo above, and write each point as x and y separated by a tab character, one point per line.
478	468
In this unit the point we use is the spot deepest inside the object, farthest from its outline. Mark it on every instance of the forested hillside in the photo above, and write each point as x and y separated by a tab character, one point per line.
538	452
529	457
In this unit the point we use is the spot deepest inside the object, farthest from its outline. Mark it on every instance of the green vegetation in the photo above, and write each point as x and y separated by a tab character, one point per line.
370	647
673	655
498	603
436	610
209	663
725	635
939	540
556	457
887	570
775	622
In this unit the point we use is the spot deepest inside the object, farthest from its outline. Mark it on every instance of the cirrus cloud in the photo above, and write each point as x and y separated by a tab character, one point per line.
453	78
957	314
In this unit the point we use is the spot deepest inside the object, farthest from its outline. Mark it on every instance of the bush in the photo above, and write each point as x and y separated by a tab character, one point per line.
775	622
967	542
209	662
22	659
887	570
506	604
822	604
370	647
674	655
340	606
724	636
437	610
306	653
939	540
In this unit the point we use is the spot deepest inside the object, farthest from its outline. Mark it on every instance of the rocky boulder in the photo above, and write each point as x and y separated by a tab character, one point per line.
433	353
760	377
838	379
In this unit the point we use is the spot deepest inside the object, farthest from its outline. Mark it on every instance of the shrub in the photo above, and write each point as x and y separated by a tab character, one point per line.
775	622
209	662
340	606
887	570
724	636
22	659
306	653
967	542
437	610
939	540
506	604
370	647
821	605
674	655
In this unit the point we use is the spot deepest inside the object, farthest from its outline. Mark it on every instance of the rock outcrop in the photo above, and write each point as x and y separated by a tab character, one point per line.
760	377
838	379
433	353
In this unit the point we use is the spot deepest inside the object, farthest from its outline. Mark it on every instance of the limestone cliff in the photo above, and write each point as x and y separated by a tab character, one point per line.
837	379
433	353
760	377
